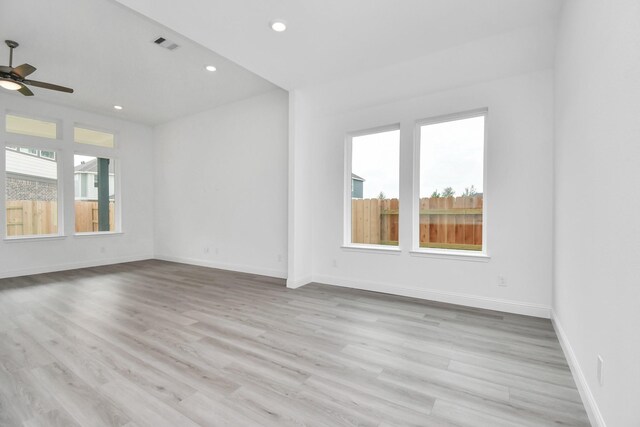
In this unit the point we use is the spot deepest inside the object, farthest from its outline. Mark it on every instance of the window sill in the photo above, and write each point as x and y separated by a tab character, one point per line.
380	249
99	233
33	238
451	254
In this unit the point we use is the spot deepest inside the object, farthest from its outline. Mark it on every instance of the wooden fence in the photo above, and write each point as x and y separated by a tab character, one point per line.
87	216
29	217
445	222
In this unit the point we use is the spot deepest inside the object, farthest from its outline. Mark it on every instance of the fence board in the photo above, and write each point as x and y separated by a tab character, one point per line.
366	214
37	217
445	222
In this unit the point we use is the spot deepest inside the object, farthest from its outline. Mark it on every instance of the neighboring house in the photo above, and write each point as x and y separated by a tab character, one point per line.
31	174
357	186
86	180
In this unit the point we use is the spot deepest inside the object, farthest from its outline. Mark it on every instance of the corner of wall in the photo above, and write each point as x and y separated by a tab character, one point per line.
589	401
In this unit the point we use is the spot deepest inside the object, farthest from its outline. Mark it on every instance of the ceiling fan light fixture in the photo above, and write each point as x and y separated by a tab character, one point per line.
9	84
278	25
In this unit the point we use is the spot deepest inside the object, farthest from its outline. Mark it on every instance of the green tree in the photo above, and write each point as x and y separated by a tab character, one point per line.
470	191
435	194
448	192
382	196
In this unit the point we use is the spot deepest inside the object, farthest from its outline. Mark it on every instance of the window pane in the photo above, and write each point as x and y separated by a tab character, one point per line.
31	194
451	184
94	180
375	186
32	127
93	137
48	154
31	151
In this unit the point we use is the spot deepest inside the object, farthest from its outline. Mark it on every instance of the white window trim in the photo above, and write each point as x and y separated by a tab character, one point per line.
64	146
348	147
34	238
98	233
370	248
416	250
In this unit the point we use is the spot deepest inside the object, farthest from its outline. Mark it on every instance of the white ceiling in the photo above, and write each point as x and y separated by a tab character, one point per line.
330	39
105	52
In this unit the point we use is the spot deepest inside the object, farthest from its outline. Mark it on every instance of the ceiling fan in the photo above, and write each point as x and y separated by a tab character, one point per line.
16	78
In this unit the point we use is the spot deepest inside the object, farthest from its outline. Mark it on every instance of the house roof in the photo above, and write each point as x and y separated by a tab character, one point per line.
91	166
356	177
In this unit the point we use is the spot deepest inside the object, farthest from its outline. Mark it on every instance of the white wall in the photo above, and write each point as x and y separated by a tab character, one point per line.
133	152
597	203
300	208
519	188
221	186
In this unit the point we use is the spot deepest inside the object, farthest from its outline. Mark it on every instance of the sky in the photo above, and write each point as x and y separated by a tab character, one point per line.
451	155
78	159
376	158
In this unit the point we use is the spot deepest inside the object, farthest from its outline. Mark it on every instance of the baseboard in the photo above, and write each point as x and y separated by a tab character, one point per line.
73	266
589	402
296	283
469	300
223	266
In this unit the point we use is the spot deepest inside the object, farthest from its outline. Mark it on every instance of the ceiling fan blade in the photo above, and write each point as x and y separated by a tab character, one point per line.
25	90
5	69
24	70
48	86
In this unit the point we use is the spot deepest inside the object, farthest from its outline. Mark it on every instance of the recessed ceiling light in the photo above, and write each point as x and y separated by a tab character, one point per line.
278	25
210	68
117	107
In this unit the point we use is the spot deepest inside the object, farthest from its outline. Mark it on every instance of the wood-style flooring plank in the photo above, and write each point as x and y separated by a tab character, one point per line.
155	343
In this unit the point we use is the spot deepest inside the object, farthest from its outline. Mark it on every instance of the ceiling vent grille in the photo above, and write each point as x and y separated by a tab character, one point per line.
167	44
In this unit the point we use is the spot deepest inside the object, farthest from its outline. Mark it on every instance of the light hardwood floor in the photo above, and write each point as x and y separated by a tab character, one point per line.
162	344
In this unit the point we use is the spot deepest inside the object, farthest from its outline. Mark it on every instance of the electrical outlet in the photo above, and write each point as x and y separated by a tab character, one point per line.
502	281
103	249
279	257
206	250
217	251
335	263
600	370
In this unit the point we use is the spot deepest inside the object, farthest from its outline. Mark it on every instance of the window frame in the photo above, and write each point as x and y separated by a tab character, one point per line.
416	250
347	192
18	140
64	147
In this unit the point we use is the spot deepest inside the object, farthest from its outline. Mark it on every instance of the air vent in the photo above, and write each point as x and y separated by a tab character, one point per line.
167	44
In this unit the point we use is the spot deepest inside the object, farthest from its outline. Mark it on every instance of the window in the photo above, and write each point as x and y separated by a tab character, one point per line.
48	154
95	199
45	154
451	182
93	137
31	127
31	151
372	205
31	194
